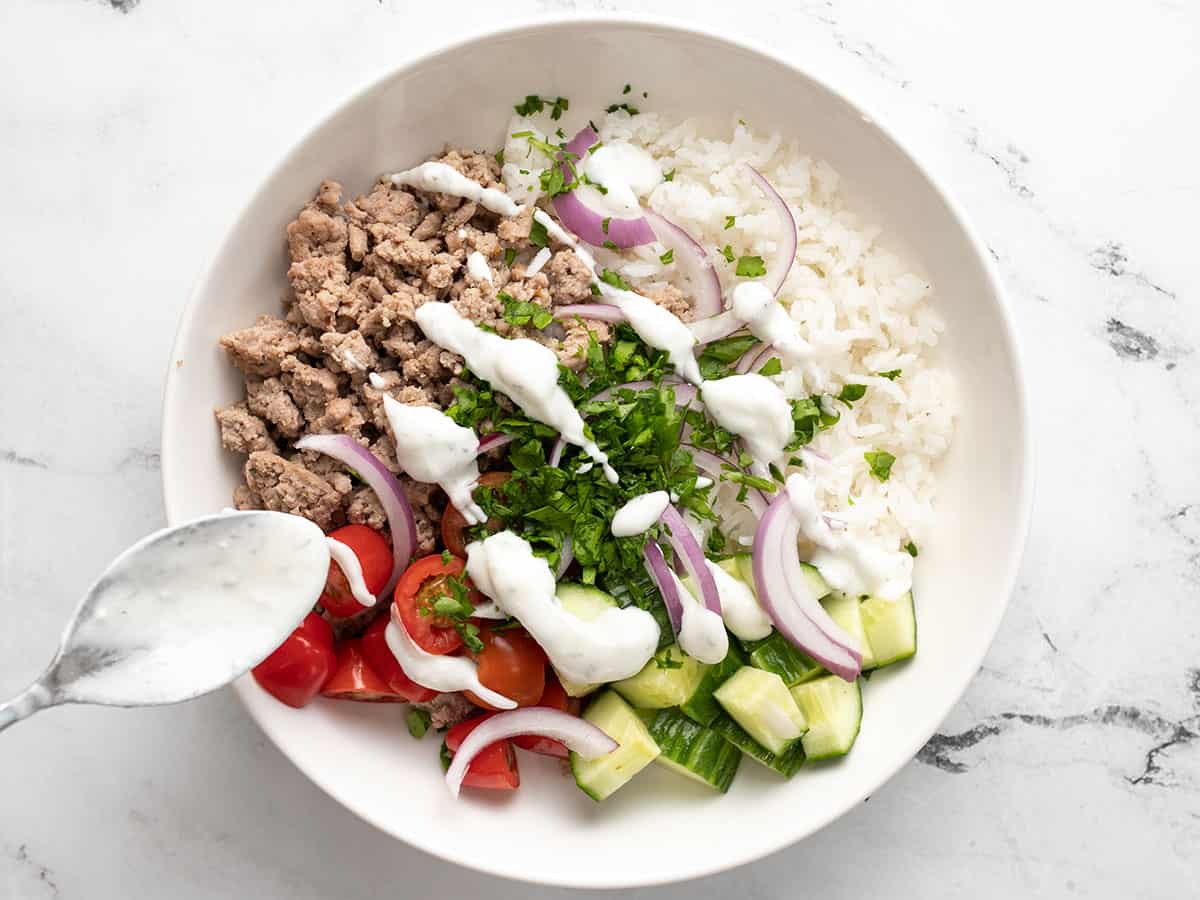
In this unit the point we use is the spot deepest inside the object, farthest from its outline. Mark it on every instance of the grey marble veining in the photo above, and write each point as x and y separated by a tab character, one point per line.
1068	132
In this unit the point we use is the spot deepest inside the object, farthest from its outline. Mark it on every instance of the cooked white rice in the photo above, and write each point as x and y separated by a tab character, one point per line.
862	308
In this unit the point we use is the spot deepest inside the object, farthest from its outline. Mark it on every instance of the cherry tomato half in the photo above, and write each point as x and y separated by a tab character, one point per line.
295	672
556	698
495	767
375	557
381	659
511	663
420	585
454	525
354	679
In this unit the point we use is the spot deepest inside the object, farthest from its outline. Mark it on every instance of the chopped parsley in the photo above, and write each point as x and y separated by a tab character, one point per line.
852	392
523	312
418	721
730	221
912	549
604	223
750	267
890	374
880	462
670	176
537	234
533	104
510	256
609	245
599	187
667	258
628	88
727	252
500	157
609	277
449	598
632	110
718	357
772	367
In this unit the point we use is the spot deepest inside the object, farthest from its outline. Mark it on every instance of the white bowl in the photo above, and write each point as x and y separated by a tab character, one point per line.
661	828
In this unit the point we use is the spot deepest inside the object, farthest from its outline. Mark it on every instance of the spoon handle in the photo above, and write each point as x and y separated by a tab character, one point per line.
36	696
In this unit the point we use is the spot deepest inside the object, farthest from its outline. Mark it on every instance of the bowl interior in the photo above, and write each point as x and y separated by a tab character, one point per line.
662	828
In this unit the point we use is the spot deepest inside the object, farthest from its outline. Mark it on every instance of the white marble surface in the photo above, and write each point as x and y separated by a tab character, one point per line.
129	133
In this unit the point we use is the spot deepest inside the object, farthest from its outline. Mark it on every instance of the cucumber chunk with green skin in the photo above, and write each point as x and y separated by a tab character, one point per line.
669	679
786	764
702	706
585	603
891	628
601	777
759	701
833	708
776	654
694	751
846	611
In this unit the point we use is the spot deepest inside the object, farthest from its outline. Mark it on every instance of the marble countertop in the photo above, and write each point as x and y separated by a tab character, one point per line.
1069	132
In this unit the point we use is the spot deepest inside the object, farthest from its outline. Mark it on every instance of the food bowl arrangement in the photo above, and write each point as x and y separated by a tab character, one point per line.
923	420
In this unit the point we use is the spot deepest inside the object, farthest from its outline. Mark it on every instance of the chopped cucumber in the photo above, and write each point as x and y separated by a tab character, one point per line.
775	653
669	679
585	603
846	611
786	764
702	706
745	571
694	751
599	778
759	701
891	628
833	708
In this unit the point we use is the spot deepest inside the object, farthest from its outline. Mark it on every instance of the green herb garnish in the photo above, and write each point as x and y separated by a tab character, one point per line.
912	549
750	267
771	367
852	392
604	223
611	278
880	462
510	256
890	374
533	104
670	176
667	258
632	110
524	312
418	721
538	235
730	221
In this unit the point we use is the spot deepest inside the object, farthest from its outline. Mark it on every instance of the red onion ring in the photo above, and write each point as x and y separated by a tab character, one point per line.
712	464
391	495
786	598
601	311
715	327
754	358
587	224
493	441
781	263
660	573
694	262
566	555
685	545
579	735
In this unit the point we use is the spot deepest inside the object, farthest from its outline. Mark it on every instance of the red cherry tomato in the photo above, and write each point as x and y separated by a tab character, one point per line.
354	679
511	663
294	673
420	585
495	767
453	523
375	557
383	662
553	697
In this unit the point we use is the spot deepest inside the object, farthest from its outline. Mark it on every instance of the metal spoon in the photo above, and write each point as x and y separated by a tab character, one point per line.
184	612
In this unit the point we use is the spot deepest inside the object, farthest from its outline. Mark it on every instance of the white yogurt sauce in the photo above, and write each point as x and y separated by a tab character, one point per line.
523	369
347	561
768	321
739	607
702	632
614	645
639	514
438	672
754	408
538	262
187	610
443	179
626	172
433	448
848	562
478	268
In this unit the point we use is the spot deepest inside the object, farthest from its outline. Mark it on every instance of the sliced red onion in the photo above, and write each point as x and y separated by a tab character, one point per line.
713	465
391	495
685	394
785	255
601	311
587	224
746	363
579	735
660	573
684	543
493	441
785	596
694	262
715	327
566	554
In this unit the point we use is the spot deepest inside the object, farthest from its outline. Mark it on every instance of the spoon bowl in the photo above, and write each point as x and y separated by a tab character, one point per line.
183	612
